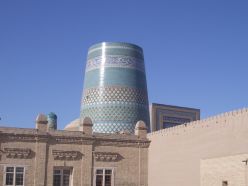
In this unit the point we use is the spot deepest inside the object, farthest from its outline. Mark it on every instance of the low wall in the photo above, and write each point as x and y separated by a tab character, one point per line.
175	154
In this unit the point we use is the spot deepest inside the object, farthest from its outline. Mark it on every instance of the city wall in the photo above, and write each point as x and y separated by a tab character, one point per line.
205	152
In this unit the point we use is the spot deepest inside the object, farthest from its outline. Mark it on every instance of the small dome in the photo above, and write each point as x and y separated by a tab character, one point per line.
73	126
87	121
140	125
41	118
52	115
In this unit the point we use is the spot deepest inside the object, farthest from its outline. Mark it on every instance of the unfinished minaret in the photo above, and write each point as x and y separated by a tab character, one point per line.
115	90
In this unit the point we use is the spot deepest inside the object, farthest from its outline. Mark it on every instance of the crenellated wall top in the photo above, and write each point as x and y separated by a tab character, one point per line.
211	121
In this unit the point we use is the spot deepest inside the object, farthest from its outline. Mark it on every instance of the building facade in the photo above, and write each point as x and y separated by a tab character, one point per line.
165	116
48	157
212	151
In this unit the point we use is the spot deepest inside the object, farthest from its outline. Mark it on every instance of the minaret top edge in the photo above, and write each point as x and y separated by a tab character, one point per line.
115	45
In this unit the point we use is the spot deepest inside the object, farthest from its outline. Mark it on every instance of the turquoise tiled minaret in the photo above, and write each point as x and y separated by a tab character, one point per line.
115	91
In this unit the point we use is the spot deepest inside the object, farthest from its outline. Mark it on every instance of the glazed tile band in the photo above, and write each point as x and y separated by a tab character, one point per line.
115	91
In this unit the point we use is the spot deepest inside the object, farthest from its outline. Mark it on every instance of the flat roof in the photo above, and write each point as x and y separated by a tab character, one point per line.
173	106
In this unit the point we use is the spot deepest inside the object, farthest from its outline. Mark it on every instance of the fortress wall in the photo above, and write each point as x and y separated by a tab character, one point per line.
229	169
175	154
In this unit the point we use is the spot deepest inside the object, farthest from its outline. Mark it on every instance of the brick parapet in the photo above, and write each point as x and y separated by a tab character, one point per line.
213	121
71	137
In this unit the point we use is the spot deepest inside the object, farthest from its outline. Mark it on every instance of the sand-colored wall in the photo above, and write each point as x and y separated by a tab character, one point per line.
125	154
229	169
175	154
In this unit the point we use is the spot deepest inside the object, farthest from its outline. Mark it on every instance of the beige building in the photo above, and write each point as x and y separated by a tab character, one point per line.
165	116
48	157
209	152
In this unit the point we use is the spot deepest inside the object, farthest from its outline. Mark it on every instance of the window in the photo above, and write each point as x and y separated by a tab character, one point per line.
104	177
61	177
224	183
14	176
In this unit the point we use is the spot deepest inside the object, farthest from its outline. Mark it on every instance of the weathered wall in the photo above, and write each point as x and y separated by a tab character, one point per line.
56	149
28	164
131	169
232	169
175	154
75	165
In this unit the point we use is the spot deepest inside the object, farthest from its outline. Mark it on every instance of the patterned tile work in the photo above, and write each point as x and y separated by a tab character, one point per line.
182	116
113	94
115	76
110	127
115	61
118	112
110	49
115	91
117	117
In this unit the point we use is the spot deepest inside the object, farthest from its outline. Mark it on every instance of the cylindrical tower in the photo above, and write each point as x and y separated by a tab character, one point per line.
115	92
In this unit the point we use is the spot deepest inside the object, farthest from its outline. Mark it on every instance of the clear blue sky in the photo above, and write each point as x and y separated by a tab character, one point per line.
196	53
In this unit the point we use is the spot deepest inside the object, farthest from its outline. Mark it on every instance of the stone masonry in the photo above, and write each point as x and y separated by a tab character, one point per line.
41	150
209	152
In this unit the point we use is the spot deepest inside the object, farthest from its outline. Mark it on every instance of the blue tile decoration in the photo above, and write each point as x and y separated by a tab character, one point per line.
114	94
167	113
115	91
52	120
116	61
115	77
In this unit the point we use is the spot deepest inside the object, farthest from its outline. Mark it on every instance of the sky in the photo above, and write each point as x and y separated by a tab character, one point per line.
196	53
